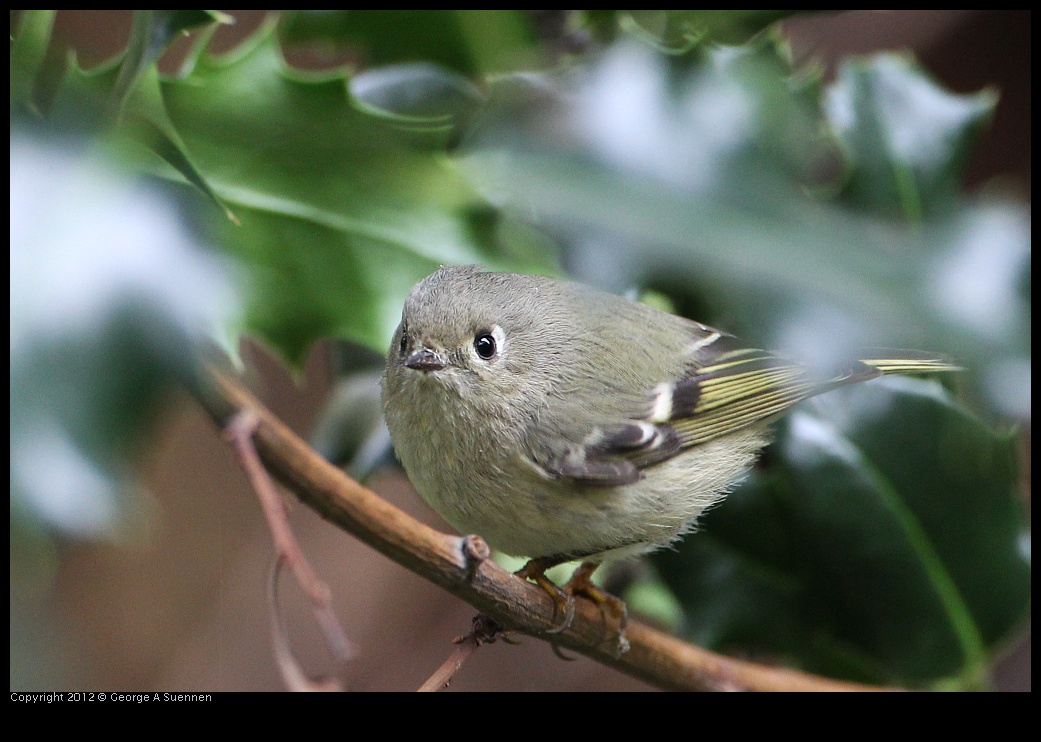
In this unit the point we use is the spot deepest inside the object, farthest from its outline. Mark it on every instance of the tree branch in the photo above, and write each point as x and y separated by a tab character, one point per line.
459	565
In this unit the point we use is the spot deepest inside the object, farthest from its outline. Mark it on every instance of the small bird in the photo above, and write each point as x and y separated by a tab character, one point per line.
564	423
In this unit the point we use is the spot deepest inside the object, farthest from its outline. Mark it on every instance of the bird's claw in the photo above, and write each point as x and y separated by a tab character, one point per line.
579	584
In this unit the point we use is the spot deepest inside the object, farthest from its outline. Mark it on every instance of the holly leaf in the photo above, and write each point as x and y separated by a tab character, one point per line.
681	30
150	33
885	541
340	213
907	140
29	44
712	177
469	42
99	333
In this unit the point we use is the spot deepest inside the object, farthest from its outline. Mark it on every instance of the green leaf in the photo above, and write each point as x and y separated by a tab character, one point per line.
422	98
470	42
340	212
80	103
28	52
885	542
150	34
136	94
696	175
99	332
681	30
907	139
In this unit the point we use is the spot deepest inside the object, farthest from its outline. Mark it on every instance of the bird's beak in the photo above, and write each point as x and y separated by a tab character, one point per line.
426	360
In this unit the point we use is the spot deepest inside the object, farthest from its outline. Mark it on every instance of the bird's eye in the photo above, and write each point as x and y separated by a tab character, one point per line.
485	346
403	343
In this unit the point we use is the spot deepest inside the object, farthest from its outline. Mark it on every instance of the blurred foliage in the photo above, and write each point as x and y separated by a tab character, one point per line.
861	550
906	140
100	334
883	539
101	338
679	31
697	174
472	43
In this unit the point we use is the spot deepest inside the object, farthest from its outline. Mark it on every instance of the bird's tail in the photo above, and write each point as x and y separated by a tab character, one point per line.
890	361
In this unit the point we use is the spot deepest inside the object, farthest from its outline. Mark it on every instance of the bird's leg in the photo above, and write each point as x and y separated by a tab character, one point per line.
535	570
581	584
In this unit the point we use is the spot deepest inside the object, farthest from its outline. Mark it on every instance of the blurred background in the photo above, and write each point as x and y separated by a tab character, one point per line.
177	602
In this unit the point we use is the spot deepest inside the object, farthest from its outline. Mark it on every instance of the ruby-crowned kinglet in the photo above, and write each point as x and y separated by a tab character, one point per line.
560	422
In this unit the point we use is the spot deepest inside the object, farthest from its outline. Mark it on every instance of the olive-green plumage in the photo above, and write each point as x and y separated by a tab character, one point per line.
556	420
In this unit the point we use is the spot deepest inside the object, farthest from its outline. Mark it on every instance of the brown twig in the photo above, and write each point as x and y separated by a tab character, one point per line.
239	431
292	673
484	631
512	603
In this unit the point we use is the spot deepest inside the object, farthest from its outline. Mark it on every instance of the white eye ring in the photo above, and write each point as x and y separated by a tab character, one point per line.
489	344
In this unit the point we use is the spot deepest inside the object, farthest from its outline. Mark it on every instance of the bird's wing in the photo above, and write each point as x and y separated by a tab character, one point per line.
711	399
